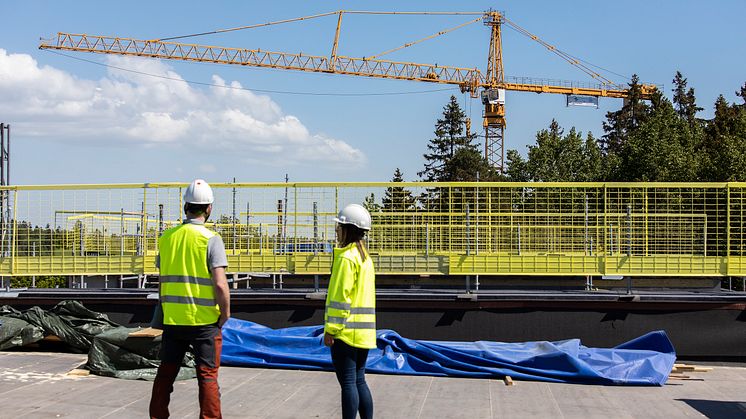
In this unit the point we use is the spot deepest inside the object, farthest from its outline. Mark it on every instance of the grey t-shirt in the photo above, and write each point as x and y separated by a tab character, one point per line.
216	257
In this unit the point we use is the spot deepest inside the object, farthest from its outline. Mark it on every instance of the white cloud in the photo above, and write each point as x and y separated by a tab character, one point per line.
207	168
131	108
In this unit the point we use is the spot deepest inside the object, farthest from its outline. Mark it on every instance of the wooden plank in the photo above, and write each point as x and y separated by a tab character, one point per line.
148	332
689	368
79	372
508	380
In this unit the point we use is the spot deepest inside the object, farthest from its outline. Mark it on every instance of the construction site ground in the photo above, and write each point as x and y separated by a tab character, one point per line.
39	385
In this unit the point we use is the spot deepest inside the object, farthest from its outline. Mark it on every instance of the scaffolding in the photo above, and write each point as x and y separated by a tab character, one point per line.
541	229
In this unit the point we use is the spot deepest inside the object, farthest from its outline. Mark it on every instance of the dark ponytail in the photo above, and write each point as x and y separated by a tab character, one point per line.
353	234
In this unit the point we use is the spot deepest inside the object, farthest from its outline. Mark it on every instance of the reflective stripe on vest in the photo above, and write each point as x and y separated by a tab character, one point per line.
183	279
352	310
350	314
339	306
187	293
361	325
207	302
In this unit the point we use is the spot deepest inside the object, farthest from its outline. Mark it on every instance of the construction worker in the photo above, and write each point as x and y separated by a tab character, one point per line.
350	316
195	302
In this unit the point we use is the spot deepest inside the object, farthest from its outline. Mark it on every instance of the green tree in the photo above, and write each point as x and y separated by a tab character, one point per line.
619	124
684	100
559	158
397	198
661	148
593	167
449	140
369	202
544	157
452	156
468	165
724	150
516	167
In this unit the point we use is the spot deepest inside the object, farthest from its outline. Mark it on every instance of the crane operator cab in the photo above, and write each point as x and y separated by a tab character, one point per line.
493	97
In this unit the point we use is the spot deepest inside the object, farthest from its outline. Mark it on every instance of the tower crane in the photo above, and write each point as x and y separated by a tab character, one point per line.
490	85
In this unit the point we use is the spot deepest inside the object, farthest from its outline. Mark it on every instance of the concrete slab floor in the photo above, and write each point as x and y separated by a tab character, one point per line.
35	385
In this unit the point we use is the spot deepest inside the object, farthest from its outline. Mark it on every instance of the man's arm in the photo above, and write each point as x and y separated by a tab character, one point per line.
217	261
222	294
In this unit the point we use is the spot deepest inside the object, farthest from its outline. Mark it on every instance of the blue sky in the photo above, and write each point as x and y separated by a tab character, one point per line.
78	122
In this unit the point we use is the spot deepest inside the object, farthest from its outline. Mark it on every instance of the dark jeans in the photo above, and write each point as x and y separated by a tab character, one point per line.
349	364
206	343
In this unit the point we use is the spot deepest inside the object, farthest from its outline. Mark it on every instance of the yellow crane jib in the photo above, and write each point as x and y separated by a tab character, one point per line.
490	85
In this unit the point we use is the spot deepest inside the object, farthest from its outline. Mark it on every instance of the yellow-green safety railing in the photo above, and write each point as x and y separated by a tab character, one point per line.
547	229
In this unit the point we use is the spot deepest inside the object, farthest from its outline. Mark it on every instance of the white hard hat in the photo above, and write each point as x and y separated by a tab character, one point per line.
356	215
199	192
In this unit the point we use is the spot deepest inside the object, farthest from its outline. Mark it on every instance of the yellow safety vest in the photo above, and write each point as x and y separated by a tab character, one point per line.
187	293
350	313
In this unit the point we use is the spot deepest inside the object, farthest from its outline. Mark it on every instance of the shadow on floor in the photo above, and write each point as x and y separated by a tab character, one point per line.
717	409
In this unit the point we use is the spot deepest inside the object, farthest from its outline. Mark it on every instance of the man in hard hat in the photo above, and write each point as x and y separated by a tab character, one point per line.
195	301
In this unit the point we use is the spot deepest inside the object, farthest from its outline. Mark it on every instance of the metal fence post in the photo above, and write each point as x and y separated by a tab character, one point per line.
81	238
727	230
468	244
234	219
427	240
468	232
476	223
160	220
33	278
629	246
248	229
629	230
121	235
315	241
261	240
315	228
585	240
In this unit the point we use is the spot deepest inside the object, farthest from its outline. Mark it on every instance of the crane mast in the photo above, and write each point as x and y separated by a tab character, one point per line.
492	84
494	97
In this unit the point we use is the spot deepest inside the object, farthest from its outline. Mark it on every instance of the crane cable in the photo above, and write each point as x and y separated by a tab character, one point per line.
297	19
565	56
573	60
443	32
258	25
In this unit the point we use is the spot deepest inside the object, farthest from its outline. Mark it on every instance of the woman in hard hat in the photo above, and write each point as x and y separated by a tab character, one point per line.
350	317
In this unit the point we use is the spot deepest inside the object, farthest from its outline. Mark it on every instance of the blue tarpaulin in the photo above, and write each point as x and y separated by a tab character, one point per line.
646	360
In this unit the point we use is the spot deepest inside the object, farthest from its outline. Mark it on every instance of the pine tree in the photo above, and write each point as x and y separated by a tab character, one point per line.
468	165
684	100
449	139
452	157
724	151
620	123
742	94
369	203
516	167
397	198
